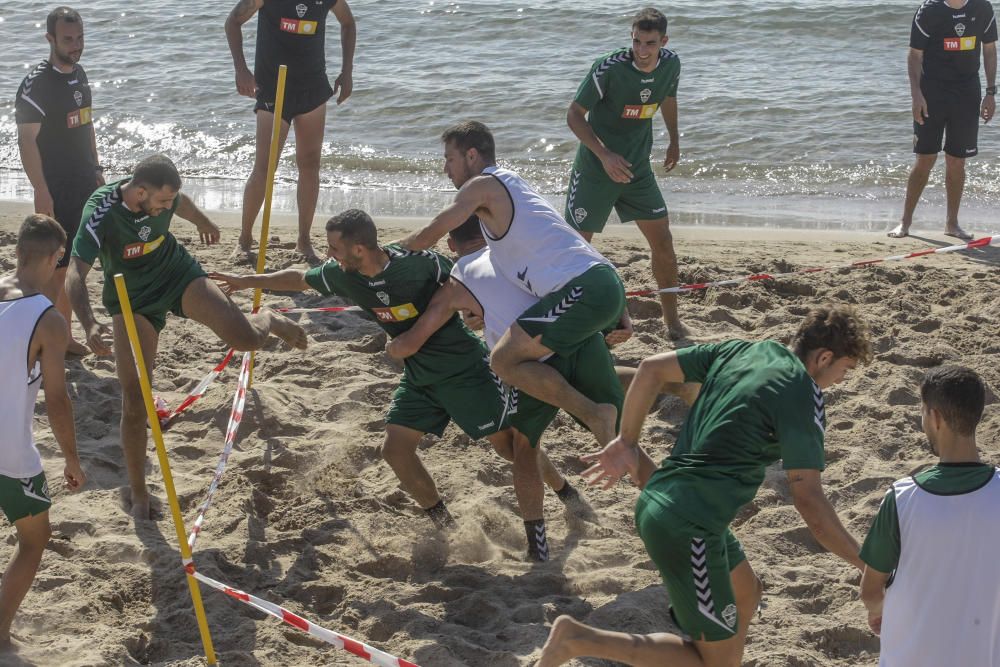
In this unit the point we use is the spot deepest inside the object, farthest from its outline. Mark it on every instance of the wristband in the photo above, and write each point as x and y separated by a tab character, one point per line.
991	90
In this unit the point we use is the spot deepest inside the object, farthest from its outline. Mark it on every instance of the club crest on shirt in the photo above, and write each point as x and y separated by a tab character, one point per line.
144	233
301	10
959	29
644	95
383	297
78	98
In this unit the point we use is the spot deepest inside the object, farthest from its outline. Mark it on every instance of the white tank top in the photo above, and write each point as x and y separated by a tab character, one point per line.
540	252
18	319
501	301
943	607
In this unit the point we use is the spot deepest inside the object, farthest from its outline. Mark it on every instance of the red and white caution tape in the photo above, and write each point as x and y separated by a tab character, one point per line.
167	416
690	287
369	653
332	309
235	416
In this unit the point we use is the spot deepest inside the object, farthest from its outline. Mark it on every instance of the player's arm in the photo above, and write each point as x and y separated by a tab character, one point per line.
470	198
207	229
873	585
914	65
98	333
615	165
668	109
31	159
348	37
240	14
447	301
990	68
51	338
287	280
819	515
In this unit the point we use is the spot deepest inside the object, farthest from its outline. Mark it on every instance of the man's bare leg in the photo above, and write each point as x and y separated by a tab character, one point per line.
253	192
33	534
503	445
400	451
514	361
954	185
664	261
56	293
915	185
204	302
309	130
528	485
133	421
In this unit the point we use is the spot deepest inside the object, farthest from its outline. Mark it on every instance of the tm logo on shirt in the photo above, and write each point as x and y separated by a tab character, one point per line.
297	27
134	250
396	313
960	43
78	118
639	111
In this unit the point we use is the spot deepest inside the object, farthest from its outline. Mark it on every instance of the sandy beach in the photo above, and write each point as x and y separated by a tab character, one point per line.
309	516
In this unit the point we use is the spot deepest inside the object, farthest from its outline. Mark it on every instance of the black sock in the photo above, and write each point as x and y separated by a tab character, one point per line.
567	493
538	545
440	515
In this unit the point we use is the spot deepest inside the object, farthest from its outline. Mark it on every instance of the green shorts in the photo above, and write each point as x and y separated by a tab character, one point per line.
590	370
592	195
154	305
24	497
695	566
474	399
568	317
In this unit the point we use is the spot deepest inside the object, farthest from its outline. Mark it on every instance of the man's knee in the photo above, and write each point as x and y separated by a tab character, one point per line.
307	161
954	165
395	451
925	162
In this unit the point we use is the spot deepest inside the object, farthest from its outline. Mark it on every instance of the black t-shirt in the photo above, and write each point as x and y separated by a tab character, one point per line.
292	33
952	40
61	104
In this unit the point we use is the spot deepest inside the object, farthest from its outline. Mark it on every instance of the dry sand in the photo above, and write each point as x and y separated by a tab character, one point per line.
309	515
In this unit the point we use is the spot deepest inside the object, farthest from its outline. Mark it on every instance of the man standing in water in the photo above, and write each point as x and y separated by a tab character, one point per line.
55	135
292	33
612	115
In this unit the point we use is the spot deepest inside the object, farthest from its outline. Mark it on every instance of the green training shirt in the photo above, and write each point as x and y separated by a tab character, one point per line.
883	546
136	245
757	405
396	297
622	102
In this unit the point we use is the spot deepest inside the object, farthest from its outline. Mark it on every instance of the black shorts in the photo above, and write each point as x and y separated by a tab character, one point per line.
953	115
68	200
297	101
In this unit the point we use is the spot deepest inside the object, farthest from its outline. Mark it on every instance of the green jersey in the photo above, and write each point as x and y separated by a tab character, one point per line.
395	298
622	101
136	245
757	405
883	546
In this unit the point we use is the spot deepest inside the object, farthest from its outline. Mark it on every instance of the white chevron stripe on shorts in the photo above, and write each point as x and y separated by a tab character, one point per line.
702	586
559	309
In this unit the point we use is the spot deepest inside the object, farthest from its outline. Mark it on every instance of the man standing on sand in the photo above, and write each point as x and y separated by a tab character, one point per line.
127	225
55	135
292	33
612	116
34	348
936	537
578	290
943	66
760	402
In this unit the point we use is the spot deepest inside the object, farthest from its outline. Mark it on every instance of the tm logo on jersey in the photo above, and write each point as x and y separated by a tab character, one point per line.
134	250
396	313
78	118
960	43
639	111
298	27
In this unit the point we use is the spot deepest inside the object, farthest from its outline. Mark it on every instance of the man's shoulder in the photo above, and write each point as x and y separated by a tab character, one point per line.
397	252
931	9
35	80
612	59
102	201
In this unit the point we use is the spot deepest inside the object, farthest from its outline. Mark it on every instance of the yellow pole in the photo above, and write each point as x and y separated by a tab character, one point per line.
161	453
272	166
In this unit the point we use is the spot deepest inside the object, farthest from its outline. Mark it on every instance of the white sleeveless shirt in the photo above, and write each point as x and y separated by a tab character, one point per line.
540	252
943	607
18	319
500	300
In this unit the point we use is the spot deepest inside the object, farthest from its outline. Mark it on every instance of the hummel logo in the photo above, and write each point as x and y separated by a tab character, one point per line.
522	276
483	427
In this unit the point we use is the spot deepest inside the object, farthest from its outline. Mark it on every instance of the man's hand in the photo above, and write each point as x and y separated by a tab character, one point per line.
98	337
875	622
617	167
622	333
611	463
74	476
673	157
989	108
919	109
245	83
209	232
344	84
229	282
43	202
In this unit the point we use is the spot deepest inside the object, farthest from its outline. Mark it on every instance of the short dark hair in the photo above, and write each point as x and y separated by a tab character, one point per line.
355	227
472	134
155	172
837	328
61	14
39	237
650	18
958	394
470	230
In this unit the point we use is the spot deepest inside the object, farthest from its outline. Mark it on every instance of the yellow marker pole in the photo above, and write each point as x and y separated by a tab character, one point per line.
161	453
272	166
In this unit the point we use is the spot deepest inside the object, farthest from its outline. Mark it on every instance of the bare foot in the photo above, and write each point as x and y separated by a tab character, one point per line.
243	252
900	231
306	250
958	233
77	349
135	505
288	331
556	652
676	330
603	423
